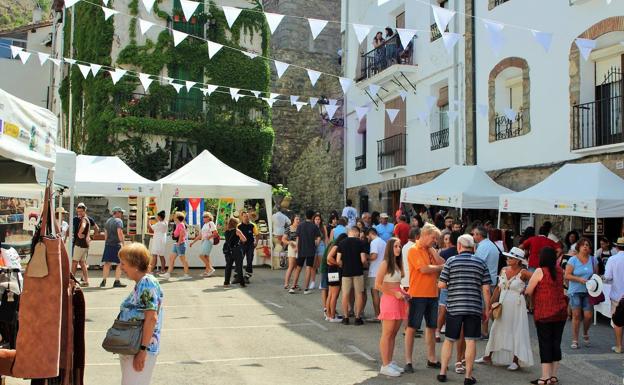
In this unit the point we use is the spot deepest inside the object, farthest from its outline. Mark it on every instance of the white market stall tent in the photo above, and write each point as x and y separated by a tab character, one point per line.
207	177
463	187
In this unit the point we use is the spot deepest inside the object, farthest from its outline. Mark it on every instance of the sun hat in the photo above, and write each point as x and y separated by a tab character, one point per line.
61	210
383	215
117	209
620	242
594	285
516	253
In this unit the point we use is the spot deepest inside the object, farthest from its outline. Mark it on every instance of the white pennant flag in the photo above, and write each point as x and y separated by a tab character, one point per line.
250	55
482	109
442	16
273	19
361	31
314	76
117	74
392	114
24	56
15	50
293	99
450	39
145	25
361	112
333	102
95	68
543	38
148	4
213	48
211	89
231	14
70	3
236	97
406	36
43	57
431	101
313	102
331	110
145	81
316	26
510	114
585	46
189	84
495	31
109	12
177	86
403	94
178	36
84	69
105	2
204	91
234	92
381	2
273	95
188	8
57	62
269	101
281	68
70	61
256	93
345	83
374	89
452	115
299	105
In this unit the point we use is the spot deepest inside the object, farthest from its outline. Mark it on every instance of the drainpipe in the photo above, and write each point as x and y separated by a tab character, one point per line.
345	55
474	85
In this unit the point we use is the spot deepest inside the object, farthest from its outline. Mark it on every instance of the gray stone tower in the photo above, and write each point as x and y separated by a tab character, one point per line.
308	151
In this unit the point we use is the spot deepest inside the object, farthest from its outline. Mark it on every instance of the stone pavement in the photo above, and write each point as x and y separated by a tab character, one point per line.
263	335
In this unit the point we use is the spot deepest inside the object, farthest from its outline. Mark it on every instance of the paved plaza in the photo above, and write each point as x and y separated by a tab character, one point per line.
263	335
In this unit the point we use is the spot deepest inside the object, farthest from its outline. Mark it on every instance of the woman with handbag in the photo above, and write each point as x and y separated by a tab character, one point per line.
334	279
509	343
233	252
179	248
206	236
578	270
144	303
550	313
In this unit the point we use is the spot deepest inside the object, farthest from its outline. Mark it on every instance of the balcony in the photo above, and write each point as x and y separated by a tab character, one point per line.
435	32
439	139
499	2
505	128
360	162
389	54
391	152
597	123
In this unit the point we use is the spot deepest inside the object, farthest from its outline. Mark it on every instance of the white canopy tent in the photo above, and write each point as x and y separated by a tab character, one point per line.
208	177
464	187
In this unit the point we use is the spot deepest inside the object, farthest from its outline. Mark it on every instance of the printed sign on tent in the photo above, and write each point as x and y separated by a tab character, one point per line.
316	27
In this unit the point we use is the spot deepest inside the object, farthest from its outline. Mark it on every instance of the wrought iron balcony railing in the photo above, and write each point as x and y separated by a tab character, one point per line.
505	128
391	152
597	123
360	162
439	139
391	52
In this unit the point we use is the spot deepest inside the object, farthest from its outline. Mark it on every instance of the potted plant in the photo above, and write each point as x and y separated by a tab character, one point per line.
281	196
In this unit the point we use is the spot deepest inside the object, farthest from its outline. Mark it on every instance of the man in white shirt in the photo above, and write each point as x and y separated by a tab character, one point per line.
350	213
414	234
64	225
280	222
376	255
614	274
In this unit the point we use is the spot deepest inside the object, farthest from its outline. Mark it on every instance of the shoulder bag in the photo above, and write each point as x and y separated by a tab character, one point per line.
124	337
497	307
601	297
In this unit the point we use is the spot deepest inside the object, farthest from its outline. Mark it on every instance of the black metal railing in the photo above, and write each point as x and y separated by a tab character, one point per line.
391	52
440	139
360	162
505	128
597	123
391	152
499	2
435	32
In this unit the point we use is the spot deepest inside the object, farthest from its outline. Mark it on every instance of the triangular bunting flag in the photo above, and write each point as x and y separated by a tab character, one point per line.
361	112
403	94
256	93
234	92
43	57
510	114
273	20
70	61
57	62
406	36
70	3
452	115
189	84
213	48
211	89
431	101
313	102
15	50
24	56
231	14
585	46
273	95
331	110
442	17
496	36
374	89
269	101
281	68
314	76
236	97
450	39
109	12
177	86
333	102
482	109
95	68
178	36
381	2
117	74
145	81
299	105
148	4
250	55
293	99
392	114
84	69
105	2
145	25
345	83
316	26
204	91
361	31
543	38
188	8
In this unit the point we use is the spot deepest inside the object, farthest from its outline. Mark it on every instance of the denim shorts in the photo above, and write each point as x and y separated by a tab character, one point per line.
423	307
443	298
324	281
179	249
580	301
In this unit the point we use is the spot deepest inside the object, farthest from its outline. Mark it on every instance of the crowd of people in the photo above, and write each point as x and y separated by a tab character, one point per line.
468	282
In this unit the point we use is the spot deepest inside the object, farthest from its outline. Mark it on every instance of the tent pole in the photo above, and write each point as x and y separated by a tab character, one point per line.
143	221
499	219
595	231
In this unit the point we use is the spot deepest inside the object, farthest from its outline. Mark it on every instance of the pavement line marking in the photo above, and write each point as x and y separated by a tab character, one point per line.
183	306
223	327
187	362
274	304
318	325
360	352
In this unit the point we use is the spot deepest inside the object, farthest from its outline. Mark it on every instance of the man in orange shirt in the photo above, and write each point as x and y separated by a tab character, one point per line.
425	266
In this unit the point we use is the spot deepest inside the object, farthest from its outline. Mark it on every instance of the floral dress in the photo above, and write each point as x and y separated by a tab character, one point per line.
147	295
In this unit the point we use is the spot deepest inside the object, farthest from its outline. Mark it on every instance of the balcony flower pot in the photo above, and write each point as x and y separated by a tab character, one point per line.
193	20
176	18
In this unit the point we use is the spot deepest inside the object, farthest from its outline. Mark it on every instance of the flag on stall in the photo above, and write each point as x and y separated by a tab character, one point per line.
194	211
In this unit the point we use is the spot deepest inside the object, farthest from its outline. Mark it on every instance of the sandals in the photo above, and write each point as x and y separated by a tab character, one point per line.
541	381
586	341
574	345
553	380
460	368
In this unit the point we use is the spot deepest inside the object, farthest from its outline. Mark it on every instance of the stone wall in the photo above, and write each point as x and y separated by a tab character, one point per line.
470	103
301	137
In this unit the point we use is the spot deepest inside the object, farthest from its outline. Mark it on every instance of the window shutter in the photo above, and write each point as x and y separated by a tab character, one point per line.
443	99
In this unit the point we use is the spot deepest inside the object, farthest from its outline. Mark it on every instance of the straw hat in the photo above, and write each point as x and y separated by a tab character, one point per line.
594	285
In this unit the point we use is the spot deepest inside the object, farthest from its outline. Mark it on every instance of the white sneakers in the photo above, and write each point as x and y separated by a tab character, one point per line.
397	367
312	285
165	276
389	371
207	274
513	367
185	277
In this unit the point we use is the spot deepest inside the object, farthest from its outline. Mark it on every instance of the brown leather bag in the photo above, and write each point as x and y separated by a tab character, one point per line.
38	343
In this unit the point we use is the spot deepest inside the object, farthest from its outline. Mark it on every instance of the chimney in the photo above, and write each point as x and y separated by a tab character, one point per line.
37	14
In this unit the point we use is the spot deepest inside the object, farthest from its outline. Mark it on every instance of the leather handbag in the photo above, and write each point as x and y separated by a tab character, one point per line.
497	310
215	238
124	337
38	342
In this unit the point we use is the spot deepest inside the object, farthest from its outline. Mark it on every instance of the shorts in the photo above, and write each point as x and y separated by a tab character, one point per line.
392	308
357	283
80	254
370	282
443	298
292	251
111	254
580	301
206	247
324	281
334	269
320	250
179	249
308	261
471	324
423	307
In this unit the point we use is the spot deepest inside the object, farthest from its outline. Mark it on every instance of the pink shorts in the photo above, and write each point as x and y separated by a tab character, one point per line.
392	308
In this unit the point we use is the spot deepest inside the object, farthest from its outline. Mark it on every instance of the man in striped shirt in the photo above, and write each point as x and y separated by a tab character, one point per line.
468	280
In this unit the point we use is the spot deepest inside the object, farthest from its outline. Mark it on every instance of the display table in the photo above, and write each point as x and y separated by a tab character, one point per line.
605	307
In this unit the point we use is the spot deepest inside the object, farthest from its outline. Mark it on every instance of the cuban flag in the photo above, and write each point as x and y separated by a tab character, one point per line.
194	211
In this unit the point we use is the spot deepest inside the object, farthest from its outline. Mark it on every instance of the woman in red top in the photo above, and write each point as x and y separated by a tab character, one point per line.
550	313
